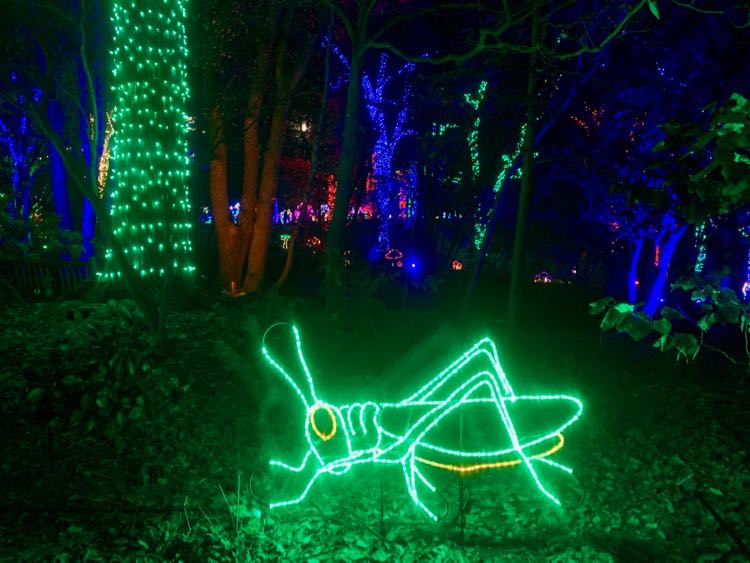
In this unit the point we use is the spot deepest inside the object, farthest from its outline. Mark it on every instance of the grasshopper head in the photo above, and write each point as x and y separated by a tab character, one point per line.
325	428
327	433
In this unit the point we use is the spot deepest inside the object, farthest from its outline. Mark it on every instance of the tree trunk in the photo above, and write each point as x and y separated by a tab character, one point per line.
227	234
661	276
26	205
58	178
268	184
518	266
252	151
90	131
88	229
250	178
289	258
314	156
345	183
471	288
633	272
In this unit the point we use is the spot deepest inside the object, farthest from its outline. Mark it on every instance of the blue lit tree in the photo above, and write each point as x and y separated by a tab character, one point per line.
58	174
386	93
389	132
62	110
665	194
23	148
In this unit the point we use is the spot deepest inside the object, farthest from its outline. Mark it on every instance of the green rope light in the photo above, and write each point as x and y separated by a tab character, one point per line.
341	437
150	201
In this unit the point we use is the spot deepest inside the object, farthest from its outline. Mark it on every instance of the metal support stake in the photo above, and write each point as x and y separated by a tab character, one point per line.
461	501
382	505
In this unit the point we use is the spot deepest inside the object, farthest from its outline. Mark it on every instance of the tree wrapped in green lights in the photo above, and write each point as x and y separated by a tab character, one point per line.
150	204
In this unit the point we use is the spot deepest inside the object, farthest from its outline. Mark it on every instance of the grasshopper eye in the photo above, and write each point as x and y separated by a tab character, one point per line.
323	421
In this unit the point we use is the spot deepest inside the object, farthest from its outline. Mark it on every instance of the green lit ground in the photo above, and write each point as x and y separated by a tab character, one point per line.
171	491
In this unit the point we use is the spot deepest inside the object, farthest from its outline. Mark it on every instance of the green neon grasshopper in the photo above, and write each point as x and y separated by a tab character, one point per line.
360	433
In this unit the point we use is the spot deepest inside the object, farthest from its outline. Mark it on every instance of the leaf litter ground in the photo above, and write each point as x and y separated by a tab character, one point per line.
191	485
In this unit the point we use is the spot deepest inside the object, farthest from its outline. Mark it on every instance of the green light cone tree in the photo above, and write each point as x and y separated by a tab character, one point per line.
150	211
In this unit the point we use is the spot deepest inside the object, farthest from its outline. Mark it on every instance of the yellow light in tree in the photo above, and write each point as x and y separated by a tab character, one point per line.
103	168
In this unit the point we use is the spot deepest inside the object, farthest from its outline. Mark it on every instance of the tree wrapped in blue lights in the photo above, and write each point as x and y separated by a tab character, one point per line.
388	134
23	148
388	108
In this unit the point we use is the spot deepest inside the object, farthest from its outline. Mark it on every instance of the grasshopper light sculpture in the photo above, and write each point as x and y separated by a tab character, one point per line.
340	437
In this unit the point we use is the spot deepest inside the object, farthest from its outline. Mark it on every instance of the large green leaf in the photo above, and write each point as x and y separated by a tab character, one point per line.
625	307
706	322
599	305
636	327
687	345
671	314
654	7
35	395
728	313
666	342
611	319
662	326
727	296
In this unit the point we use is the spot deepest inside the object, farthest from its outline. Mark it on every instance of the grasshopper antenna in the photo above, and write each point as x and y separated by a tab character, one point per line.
270	328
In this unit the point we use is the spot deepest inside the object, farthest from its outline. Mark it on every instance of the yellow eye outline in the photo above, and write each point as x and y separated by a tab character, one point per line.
321	435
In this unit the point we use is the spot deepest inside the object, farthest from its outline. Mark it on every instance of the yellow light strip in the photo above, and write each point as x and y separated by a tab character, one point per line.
103	168
494	465
321	435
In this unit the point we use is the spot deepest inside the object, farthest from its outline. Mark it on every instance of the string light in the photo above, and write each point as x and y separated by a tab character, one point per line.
506	164
314	243
542	277
506	160
700	246
394	256
473	138
22	146
374	90
463	469
325	436
745	288
359	435
103	168
150	201
388	131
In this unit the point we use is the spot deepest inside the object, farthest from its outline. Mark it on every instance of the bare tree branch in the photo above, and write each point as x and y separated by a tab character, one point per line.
611	35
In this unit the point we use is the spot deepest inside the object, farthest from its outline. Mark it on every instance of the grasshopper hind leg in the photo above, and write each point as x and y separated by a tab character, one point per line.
433	498
422	491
